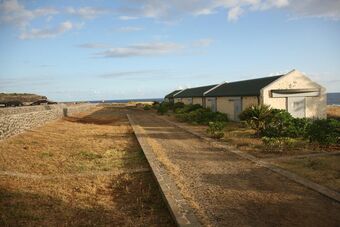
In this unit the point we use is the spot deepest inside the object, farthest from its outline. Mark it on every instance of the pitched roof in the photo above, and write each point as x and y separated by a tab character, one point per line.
194	92
242	88
171	95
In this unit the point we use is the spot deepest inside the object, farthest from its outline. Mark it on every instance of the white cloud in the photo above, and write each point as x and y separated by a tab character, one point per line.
47	32
129	29
235	13
203	42
12	12
127	18
144	49
130	74
87	12
172	9
93	45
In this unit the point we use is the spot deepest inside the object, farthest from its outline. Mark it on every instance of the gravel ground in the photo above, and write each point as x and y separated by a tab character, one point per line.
225	190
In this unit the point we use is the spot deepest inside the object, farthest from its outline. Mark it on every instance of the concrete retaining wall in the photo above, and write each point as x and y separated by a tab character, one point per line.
12	124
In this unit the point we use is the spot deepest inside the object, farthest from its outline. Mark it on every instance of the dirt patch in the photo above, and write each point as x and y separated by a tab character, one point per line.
68	150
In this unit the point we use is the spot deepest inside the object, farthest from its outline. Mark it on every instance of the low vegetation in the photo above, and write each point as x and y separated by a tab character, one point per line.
279	129
216	129
323	170
261	128
79	171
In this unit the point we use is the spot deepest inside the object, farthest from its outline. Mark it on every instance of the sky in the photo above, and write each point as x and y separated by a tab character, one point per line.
124	49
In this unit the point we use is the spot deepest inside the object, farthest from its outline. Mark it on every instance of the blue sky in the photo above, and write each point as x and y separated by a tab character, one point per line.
90	50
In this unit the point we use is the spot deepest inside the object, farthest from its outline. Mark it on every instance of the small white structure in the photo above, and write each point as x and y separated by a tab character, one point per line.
292	91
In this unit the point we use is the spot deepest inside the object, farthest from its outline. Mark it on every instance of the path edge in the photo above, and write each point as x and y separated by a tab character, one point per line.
329	193
180	211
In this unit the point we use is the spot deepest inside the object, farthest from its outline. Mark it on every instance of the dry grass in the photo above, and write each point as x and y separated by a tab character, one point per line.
333	112
99	143
323	170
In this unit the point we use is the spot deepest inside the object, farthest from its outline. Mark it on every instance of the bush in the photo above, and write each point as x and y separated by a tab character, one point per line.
256	117
177	106
325	132
147	107
188	108
273	122
155	103
163	108
215	129
278	143
281	124
201	116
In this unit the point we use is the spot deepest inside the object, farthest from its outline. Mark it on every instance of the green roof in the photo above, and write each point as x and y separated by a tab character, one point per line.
242	88
194	92
171	95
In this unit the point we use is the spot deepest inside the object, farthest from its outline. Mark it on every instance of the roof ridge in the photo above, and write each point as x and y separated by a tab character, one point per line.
267	77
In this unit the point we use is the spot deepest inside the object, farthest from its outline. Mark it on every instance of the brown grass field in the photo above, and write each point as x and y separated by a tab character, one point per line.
79	171
322	170
333	112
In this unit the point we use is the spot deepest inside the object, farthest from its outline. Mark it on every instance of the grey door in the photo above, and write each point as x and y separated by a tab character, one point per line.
296	106
212	104
237	109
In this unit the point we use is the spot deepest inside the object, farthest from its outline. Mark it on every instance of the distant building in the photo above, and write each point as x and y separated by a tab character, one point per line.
170	97
293	92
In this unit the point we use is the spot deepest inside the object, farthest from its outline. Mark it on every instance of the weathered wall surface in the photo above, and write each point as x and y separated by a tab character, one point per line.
197	100
187	101
248	101
12	124
27	109
315	106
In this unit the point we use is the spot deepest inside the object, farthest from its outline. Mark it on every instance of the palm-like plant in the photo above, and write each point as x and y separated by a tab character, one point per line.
256	117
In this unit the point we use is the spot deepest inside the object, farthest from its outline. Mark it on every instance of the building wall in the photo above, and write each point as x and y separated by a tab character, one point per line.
187	101
315	106
248	101
197	100
225	105
209	104
177	100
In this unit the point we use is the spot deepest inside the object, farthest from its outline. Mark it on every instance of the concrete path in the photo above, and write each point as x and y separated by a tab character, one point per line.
226	190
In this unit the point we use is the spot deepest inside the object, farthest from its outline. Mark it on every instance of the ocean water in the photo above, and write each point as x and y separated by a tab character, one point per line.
333	98
127	100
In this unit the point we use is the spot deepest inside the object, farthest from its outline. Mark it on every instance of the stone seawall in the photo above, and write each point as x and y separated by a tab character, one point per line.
12	124
27	109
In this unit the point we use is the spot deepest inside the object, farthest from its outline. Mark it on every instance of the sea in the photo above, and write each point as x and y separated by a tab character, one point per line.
128	100
333	98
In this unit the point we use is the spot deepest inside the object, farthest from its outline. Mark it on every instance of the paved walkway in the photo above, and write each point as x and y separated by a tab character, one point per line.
226	190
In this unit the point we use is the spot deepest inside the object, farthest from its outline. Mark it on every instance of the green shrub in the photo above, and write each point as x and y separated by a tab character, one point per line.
273	122
281	124
215	129
256	117
155	103
147	107
199	115
325	132
277	143
177	105
163	108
